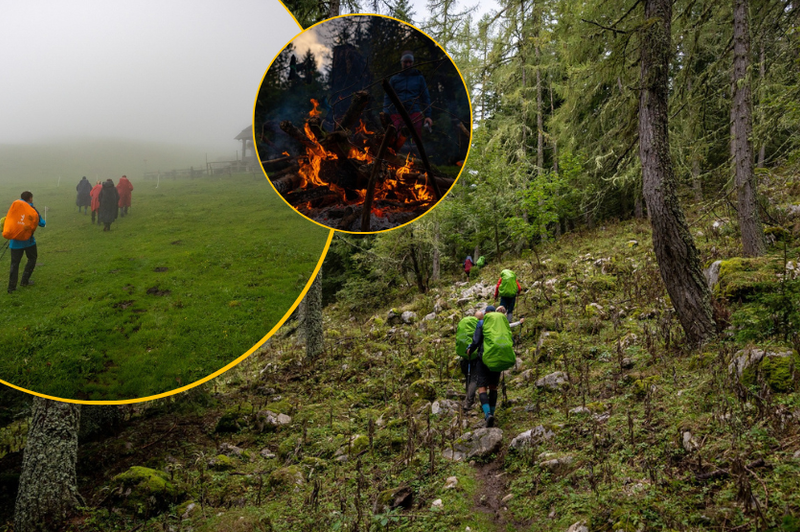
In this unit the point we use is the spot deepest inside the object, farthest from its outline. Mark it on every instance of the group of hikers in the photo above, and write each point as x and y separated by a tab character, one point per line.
108	202
486	346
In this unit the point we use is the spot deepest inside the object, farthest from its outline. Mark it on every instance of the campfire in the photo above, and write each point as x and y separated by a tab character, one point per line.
351	178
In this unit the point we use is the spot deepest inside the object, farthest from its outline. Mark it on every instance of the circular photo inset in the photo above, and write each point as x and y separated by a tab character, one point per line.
362	123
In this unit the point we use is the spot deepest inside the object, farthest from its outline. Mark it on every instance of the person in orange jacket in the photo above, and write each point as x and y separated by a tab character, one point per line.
95	194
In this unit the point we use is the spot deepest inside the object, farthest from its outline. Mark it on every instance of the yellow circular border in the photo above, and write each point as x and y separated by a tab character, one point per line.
469	101
205	379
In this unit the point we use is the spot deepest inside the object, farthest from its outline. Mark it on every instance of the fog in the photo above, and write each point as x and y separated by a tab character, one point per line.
178	72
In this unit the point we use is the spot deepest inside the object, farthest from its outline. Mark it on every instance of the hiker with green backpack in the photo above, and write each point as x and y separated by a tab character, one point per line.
464	333
495	353
508	289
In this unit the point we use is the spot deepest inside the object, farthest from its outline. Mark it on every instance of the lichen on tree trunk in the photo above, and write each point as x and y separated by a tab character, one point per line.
312	318
48	485
677	256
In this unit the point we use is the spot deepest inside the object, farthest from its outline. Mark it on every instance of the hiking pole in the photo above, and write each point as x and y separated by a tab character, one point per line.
5	249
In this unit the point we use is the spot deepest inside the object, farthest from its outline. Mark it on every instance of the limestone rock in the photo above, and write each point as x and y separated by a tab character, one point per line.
444	407
553	381
230	450
429	317
712	273
451	483
580	410
556	465
438	504
408	317
476	444
533	436
580	526
689	442
775	367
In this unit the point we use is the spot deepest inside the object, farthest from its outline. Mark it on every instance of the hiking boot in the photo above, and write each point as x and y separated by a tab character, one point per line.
26	283
490	421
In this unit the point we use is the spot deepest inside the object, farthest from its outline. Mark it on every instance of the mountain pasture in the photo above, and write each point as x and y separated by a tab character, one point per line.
196	274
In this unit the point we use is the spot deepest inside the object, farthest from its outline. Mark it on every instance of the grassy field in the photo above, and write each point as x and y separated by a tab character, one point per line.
195	275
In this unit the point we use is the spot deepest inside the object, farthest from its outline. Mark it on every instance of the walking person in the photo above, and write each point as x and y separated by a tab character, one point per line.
464	333
508	289
95	195
109	199
20	223
468	265
124	188
84	198
493	343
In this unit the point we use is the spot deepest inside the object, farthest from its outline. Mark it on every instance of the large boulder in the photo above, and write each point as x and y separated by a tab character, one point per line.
776	368
287	477
479	443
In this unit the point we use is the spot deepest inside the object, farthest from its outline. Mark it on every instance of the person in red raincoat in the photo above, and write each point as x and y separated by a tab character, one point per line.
124	188
468	266
95	194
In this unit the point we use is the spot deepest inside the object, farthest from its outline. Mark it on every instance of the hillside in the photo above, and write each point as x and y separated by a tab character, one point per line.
630	428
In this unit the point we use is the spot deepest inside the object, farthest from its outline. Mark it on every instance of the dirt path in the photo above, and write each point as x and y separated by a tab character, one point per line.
491	490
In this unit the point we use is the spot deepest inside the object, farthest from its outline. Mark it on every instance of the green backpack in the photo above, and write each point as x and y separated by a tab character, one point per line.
464	333
498	349
481	261
508	283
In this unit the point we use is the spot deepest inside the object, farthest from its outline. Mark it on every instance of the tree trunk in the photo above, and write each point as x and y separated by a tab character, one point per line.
539	117
676	254
48	489
741	129
312	319
436	259
555	142
697	186
333	9
762	72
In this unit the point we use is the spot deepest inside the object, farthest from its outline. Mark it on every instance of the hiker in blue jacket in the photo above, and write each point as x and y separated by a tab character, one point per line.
412	90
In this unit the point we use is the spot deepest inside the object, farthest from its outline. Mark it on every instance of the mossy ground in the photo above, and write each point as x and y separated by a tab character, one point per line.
630	468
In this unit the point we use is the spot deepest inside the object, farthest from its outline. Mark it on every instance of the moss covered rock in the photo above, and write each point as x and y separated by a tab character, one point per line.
287	477
144	490
776	369
744	278
222	463
424	389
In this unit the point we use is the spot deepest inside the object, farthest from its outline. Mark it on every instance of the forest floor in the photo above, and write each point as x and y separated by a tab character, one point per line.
644	432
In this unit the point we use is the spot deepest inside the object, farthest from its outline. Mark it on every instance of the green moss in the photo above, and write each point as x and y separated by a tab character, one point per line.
149	489
222	463
287	446
280	407
424	389
313	461
779	233
743	278
777	373
642	386
290	476
230	422
359	444
701	361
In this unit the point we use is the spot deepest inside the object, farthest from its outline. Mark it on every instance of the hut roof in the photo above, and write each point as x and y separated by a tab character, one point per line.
247	133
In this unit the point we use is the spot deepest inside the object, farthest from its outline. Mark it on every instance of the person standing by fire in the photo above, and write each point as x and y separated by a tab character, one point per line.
411	88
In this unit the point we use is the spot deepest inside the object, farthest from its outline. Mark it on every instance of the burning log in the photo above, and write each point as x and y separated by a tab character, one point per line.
267	165
376	167
299	198
357	105
287	184
315	125
290	129
291	169
407	119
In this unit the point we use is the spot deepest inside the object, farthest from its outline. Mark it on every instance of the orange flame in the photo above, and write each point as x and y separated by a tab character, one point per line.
362	128
315	112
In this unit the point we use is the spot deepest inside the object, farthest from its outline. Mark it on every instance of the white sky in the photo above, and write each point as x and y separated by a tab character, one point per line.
178	71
